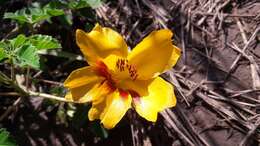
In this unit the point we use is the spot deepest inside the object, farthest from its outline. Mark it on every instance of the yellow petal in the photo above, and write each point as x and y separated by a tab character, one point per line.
69	96
96	110
81	77
78	94
100	42
98	95
80	82
111	110
99	91
138	86
161	96
154	54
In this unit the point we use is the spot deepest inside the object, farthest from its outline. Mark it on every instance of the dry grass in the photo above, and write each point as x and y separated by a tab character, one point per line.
219	69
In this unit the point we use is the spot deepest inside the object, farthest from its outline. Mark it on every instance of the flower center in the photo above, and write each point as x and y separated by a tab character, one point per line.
124	65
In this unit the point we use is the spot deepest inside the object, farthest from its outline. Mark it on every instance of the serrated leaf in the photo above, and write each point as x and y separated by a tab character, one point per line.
54	12
2	54
23	50
27	55
19	15
44	42
5	139
18	41
33	15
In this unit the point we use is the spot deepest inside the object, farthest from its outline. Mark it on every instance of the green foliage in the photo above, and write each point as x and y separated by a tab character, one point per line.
75	4
27	55
59	91
78	4
2	54
18	41
5	139
33	15
23	50
44	42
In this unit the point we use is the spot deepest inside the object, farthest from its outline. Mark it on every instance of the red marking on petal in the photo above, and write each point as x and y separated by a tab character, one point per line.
123	64
101	69
111	85
123	93
135	96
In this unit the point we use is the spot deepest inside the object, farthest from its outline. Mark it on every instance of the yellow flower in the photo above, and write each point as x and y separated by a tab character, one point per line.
117	80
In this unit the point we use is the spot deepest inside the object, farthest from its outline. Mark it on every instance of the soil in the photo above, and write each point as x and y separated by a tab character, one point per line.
218	97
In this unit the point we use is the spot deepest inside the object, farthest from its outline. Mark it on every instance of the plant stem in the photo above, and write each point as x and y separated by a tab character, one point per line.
48	96
27	93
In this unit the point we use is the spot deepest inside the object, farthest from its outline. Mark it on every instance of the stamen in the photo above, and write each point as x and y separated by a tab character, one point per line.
122	65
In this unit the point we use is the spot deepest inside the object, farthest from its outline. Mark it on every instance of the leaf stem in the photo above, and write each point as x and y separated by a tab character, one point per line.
48	96
26	93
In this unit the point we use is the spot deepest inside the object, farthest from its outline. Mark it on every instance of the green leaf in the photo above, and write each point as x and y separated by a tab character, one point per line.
78	4
18	41
19	15
44	42
33	15
24	50
2	54
54	12
59	91
27	55
5	139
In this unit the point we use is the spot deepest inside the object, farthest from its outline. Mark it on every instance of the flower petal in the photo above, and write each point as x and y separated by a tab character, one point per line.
111	110
138	86
99	91
81	77
161	96
80	82
100	42
154	54
78	94
96	110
